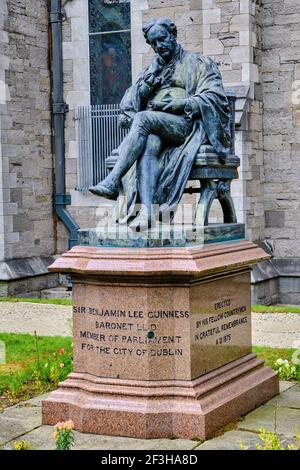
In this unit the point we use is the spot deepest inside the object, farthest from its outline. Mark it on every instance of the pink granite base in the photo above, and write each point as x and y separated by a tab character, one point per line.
162	341
178	409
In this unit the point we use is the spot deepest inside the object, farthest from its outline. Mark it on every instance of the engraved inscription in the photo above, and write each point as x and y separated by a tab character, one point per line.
221	321
117	333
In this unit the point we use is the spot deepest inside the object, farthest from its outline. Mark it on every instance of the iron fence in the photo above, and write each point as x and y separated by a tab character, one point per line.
98	133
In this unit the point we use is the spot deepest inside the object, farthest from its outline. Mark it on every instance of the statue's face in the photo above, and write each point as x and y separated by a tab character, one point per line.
162	41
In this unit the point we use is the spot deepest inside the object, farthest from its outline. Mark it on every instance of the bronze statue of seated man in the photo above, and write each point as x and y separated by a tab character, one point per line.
176	105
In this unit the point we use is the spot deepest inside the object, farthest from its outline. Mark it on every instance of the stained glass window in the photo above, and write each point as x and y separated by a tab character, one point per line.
110	50
109	15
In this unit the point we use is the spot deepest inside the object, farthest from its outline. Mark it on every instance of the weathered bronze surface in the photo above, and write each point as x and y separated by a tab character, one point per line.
176	111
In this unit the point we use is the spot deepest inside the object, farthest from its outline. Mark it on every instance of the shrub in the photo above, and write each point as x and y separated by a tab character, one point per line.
53	370
63	435
286	370
22	445
270	441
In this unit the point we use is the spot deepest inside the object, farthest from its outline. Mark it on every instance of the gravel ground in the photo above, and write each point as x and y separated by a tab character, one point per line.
278	330
45	319
281	330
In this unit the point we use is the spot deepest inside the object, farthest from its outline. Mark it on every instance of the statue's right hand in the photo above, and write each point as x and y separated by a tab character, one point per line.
156	66
125	121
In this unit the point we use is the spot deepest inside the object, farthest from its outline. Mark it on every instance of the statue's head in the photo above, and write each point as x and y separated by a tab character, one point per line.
161	34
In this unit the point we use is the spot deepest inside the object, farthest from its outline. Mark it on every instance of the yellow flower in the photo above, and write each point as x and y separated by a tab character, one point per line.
64	425
22	445
69	424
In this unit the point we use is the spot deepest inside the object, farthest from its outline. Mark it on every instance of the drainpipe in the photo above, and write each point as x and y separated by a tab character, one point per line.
59	108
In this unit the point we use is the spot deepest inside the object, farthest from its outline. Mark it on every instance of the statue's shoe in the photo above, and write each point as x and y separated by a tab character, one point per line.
105	191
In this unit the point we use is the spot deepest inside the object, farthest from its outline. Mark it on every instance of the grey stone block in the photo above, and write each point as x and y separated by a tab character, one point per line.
291	298
275	219
287	266
266	292
29	286
263	271
23	268
289	285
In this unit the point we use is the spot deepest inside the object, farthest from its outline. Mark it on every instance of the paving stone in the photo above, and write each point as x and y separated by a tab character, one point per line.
231	440
16	421
240	440
23	421
280	420
42	439
285	385
289	398
262	417
288	421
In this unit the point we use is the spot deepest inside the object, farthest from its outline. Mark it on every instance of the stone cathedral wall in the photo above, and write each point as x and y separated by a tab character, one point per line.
26	157
257	46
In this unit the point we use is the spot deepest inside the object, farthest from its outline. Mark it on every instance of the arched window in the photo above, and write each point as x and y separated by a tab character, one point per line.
110	50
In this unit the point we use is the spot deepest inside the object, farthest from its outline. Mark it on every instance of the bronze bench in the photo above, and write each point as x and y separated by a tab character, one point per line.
215	183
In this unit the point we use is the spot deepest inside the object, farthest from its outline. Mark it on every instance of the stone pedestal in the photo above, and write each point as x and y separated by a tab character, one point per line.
162	341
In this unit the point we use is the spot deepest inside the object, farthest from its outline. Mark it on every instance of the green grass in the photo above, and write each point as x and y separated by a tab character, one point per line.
275	308
37	301
34	365
289	371
22	347
270	355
